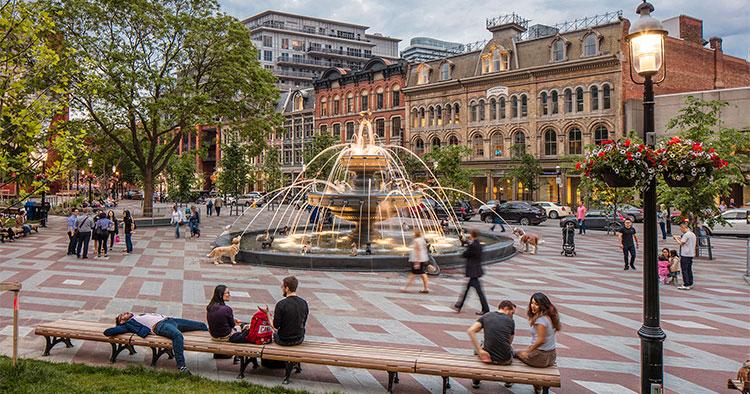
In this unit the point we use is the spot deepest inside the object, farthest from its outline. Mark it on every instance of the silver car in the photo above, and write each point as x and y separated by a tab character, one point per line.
738	223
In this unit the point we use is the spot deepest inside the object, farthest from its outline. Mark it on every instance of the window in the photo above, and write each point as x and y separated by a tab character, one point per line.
336	106
575	145
337	130
349	131
396	127
594	98
558	50
543	99
424	75
485	64
284	43
414	119
493	109
447	114
496	59
268	56
473	112
568	101
456	107
380	128
579	100
589	45
365	101
478	144
481	110
422	119
453	140
519	143
323	129
438	116
514	107
431	118
524	106
419	146
497	144
298	45
349	104
435	143
396	98
379	100
554	102
502	107
550	143
606	97
445	72
267	41
600	134
323	107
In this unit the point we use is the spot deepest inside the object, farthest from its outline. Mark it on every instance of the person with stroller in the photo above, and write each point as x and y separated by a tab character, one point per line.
568	235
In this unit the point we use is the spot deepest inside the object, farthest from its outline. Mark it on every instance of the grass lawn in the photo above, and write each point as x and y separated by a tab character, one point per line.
33	376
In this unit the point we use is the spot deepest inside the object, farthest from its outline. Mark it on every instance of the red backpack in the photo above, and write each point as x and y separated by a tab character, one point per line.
259	331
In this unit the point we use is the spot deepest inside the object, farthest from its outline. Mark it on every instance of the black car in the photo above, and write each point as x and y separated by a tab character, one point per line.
596	220
520	212
462	209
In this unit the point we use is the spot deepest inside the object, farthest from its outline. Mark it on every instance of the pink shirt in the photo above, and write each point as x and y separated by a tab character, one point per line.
581	212
149	319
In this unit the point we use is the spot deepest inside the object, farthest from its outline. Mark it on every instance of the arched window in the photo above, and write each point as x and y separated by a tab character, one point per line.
349	131
364	101
594	98
579	100
502	108
453	140
589	44
558	50
550	142
497	144
435	142
568	101
438	116
493	109
481	110
485	64
514	107
396	127
524	106
543	100
349	103
477	143
496	59
448	114
431	117
414	118
600	134
473	107
336	106
456	108
575	145
424	75
396	96
445	72
418	146
606	97
422	119
323	107
554	102
519	142
380	128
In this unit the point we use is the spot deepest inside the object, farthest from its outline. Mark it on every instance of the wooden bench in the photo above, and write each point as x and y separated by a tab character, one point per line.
381	358
735	384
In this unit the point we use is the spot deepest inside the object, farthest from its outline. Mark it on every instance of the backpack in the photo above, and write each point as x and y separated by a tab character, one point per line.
259	331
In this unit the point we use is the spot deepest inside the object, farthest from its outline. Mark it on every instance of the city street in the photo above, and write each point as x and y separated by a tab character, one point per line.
600	305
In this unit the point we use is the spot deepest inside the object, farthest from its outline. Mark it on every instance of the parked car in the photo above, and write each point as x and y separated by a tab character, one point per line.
553	209
634	213
521	212
486	206
462	209
247	199
738	223
596	219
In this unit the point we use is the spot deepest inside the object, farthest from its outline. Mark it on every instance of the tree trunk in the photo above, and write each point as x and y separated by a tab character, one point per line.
148	193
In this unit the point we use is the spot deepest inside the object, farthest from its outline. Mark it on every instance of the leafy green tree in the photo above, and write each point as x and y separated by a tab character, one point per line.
272	169
183	177
446	165
700	120
149	70
322	165
235	168
526	170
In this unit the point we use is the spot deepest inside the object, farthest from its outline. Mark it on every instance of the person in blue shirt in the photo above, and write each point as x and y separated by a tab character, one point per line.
72	236
101	232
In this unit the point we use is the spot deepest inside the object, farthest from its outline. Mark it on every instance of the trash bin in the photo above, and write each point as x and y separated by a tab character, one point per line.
31	209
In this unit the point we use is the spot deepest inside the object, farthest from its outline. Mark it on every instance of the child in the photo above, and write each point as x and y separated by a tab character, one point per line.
664	266
674	267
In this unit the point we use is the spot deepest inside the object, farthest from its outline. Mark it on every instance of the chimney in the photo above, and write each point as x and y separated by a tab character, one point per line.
715	43
691	29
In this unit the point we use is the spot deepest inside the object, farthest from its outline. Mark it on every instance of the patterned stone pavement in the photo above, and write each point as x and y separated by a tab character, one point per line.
708	328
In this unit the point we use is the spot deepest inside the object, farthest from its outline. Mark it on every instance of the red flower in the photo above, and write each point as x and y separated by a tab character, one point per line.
627	143
578	166
607	142
601	154
674	140
711	150
697	147
641	147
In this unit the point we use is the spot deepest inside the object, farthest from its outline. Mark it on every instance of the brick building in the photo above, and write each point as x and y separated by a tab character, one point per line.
340	94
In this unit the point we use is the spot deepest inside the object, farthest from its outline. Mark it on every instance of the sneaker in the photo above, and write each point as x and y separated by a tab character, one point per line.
626	268
185	371
632	267
683	288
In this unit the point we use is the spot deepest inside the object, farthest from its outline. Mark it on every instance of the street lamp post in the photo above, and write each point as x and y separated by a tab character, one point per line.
90	176
646	38
43	212
558	180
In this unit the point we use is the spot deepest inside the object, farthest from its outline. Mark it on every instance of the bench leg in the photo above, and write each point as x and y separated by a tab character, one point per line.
156	353
244	361
52	341
117	348
391	377
395	378
446	383
289	366
545	390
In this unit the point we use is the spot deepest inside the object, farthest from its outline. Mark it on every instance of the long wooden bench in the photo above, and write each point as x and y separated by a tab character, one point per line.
381	358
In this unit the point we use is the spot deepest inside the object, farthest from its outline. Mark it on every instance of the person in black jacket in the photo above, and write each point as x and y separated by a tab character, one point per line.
473	256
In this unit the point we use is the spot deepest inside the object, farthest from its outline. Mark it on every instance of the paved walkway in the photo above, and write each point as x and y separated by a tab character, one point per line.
600	305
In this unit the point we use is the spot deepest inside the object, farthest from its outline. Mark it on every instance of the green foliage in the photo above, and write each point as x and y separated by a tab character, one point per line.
32	376
700	120
272	169
150	70
183	177
235	168
321	166
526	170
448	170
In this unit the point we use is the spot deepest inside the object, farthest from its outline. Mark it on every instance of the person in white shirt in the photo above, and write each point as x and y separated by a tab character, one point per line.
687	252
418	259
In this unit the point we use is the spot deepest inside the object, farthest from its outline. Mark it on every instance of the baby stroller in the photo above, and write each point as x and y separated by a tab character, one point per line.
568	236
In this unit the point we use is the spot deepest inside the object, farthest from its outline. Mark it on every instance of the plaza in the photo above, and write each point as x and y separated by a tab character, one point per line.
600	306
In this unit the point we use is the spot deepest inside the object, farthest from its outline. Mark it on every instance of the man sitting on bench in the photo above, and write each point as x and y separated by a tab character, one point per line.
499	330
289	319
170	327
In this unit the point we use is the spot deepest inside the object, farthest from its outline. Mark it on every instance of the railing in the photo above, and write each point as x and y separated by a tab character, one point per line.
576	24
322	63
281	26
297	74
338	52
506	19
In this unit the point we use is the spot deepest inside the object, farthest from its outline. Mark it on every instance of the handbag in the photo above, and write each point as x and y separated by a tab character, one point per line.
117	239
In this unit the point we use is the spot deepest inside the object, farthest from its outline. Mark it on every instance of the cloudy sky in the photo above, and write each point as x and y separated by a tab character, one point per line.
463	20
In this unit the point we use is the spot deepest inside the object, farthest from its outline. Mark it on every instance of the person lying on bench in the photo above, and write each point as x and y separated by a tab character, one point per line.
499	330
145	324
290	315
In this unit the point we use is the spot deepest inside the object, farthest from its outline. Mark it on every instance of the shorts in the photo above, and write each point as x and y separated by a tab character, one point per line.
419	270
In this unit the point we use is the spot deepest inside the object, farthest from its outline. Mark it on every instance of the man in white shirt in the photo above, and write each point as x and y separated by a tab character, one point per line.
687	252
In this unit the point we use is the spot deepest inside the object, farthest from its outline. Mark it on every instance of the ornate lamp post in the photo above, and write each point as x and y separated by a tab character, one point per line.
646	38
558	180
43	178
90	176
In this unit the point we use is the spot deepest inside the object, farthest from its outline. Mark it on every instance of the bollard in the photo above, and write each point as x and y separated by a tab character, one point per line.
15	287
747	269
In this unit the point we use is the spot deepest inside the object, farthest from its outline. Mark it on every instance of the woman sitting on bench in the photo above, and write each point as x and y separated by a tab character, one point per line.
170	327
545	323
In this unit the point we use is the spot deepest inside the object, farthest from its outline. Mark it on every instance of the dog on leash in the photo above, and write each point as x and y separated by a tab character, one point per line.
527	239
228	251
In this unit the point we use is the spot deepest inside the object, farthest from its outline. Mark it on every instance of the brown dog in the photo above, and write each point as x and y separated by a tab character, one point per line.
527	239
229	251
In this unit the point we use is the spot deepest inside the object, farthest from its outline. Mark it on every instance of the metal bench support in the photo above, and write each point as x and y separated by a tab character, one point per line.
244	361
392	378
157	352
446	383
117	348
52	341
289	366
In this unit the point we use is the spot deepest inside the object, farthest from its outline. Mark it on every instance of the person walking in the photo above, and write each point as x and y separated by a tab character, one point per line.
72	233
687	253
662	217
84	224
178	218
473	256
497	219
194	221
418	259
128	227
102	227
209	206
545	323
218	203
628	243
581	216
116	231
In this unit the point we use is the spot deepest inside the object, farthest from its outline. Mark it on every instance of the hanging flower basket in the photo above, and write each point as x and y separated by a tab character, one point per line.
684	163
621	163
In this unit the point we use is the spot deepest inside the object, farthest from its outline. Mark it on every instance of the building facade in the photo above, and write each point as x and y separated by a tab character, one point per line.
297	48
341	94
298	129
544	90
422	49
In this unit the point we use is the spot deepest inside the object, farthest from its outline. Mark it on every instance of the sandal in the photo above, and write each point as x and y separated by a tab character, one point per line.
424	291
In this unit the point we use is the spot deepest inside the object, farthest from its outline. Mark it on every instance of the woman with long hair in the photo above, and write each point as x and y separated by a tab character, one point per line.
545	323
220	317
128	227
113	232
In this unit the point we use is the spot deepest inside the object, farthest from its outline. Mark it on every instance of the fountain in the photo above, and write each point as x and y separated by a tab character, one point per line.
360	217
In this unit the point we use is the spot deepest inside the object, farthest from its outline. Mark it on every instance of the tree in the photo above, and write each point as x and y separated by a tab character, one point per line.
182	178
322	165
272	169
150	70
700	120
446	162
526	170
235	168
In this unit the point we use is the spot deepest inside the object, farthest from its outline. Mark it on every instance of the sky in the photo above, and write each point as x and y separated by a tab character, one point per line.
464	21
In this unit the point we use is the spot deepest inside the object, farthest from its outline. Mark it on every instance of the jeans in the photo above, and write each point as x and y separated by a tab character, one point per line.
663	227
209	209
128	242
474	282
173	328
284	342
112	239
218	211
497	222
83	243
686	265
581	226
72	242
177	230
629	250
102	245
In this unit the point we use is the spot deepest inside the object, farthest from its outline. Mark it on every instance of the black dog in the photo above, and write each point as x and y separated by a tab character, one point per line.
267	243
284	231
